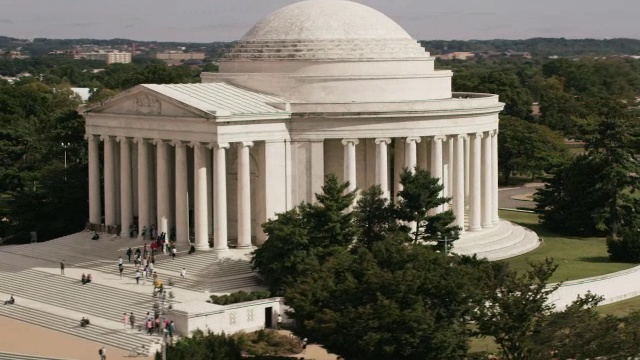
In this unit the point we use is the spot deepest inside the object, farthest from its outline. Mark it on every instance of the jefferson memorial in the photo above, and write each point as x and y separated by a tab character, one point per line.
318	87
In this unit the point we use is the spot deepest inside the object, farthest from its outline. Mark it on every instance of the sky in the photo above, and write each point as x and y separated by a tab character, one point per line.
227	20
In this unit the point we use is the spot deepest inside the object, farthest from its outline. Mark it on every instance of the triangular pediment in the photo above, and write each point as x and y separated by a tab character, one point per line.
142	101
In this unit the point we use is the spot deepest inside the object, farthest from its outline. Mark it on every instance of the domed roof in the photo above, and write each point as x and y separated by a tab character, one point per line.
326	20
326	30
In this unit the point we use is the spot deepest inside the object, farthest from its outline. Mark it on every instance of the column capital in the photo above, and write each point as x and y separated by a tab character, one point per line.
462	136
139	140
89	137
354	141
105	137
494	132
224	145
176	143
415	139
121	139
383	140
158	141
439	138
245	144
194	144
477	135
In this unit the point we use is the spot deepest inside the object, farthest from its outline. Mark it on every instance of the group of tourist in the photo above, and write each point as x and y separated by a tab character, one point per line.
85	279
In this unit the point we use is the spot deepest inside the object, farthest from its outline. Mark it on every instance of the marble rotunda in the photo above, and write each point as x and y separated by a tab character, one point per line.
317	87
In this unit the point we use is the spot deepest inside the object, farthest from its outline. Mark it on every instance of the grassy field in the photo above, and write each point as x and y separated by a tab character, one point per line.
577	257
621	308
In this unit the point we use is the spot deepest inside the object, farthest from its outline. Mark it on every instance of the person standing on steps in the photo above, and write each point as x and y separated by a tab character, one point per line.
183	273
120	260
125	321
137	275
129	253
173	252
103	353
132	320
62	267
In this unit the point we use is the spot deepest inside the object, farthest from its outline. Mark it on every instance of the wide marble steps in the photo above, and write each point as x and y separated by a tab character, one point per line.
14	356
115	338
91	300
206	271
503	241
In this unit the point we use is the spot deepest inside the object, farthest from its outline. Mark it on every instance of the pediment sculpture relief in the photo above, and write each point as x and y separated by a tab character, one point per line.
147	105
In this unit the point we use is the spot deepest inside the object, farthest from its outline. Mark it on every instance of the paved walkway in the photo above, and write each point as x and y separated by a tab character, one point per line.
506	196
23	338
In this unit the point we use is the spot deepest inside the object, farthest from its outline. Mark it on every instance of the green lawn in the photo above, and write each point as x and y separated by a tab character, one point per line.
577	257
621	308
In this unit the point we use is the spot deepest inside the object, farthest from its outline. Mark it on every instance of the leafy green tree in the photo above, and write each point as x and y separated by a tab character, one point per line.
562	202
528	148
515	307
421	193
201	346
615	143
392	301
300	240
374	217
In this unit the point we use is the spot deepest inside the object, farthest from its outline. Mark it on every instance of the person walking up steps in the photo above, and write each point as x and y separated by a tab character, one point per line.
173	252
129	253
62	267
137	275
120	269
120	260
183	273
103	353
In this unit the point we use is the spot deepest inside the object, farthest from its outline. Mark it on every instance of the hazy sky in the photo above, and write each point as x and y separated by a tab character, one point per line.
214	20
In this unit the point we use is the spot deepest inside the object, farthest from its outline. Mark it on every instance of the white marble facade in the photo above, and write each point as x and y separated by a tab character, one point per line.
310	90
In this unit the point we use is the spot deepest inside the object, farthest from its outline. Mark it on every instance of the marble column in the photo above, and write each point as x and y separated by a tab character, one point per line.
109	182
350	162
475	182
182	193
95	212
458	179
436	163
220	200
411	153
487	182
162	187
244	195
126	189
494	167
200	196
143	186
382	165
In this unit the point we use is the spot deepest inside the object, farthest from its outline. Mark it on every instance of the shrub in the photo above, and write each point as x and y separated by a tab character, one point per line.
267	342
203	346
238	297
626	248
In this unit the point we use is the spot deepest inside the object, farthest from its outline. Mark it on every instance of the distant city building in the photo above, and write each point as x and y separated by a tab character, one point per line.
110	57
12	54
177	57
460	55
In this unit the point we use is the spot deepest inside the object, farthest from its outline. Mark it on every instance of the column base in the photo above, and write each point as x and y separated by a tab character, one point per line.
245	247
220	250
476	229
203	248
487	226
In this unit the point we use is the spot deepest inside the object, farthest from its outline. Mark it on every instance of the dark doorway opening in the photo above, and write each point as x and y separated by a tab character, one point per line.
268	317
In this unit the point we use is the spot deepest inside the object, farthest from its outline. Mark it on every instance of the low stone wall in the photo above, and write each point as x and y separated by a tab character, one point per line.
614	287
246	316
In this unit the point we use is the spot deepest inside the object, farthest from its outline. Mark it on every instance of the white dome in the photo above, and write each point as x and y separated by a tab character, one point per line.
326	20
326	30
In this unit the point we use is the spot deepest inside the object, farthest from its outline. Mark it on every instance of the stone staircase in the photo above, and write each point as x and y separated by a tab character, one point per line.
500	242
14	356
93	300
206	271
115	338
